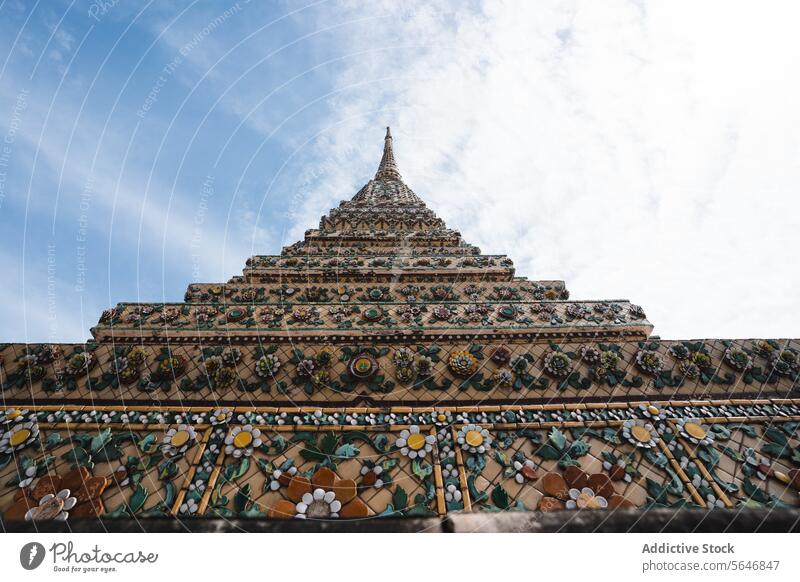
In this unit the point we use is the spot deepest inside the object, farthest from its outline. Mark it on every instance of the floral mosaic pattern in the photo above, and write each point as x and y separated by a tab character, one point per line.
413	372
60	464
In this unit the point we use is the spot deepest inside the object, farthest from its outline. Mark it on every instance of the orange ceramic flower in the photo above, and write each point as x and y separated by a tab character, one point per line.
324	496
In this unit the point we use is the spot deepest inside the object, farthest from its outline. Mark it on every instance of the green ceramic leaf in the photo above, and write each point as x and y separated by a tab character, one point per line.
381	443
548	453
754	493
169	494
137	500
328	444
475	495
421	470
234	471
735	455
100	440
389	464
400	498
500	497
148	444
776	435
347	451
167	471
242	498
502	458
53	439
308	437
777	450
76	455
579	449
312	453
557	438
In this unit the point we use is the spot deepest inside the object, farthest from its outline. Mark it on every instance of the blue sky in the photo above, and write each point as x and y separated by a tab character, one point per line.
641	151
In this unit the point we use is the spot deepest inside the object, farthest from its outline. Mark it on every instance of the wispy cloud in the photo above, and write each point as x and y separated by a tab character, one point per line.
645	151
636	153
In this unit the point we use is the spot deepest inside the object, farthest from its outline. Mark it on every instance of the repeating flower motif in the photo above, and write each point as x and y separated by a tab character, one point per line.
324	496
13	415
649	361
19	436
576	489
474	438
52	507
178	440
501	355
79	363
692	430
268	365
585	498
590	354
403	358
738	359
221	416
503	378
525	471
557	364
371	476
242	441
652	412
785	362
413	444
462	363
679	351
640	433
442	417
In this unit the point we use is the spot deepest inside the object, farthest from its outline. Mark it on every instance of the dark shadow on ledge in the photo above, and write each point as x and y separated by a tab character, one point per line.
776	520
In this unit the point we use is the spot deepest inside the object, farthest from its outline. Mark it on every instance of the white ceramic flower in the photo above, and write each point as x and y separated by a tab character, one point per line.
452	493
320	504
52	507
693	430
526	471
585	499
189	507
13	415
374	477
474	438
242	441
640	433
442	417
412	443
652	412
19	436
221	416
178	441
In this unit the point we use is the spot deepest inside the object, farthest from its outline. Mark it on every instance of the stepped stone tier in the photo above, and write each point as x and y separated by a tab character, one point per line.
383	366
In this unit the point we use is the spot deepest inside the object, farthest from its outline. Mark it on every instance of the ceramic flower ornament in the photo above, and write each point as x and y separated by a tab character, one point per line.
52	507
178	440
474	439
412	443
640	434
242	441
19	436
323	496
692	430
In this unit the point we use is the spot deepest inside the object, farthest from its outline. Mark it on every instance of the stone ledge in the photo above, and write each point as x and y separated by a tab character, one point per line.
779	520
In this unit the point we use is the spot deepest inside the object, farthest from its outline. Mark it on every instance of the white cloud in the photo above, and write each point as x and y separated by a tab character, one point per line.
645	151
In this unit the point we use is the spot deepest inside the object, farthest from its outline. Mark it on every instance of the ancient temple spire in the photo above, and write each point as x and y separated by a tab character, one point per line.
388	167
